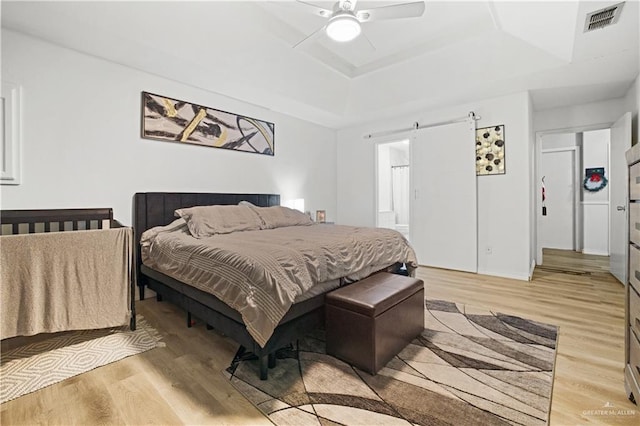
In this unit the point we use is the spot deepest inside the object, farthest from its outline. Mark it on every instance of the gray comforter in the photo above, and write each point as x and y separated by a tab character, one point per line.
261	273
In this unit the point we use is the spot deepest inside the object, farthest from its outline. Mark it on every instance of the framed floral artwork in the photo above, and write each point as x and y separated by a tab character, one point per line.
490	151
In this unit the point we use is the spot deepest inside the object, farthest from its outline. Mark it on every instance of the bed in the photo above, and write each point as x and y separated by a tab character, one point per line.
153	212
65	269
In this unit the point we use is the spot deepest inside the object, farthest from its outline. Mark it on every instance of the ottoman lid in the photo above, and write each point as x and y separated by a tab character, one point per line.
375	294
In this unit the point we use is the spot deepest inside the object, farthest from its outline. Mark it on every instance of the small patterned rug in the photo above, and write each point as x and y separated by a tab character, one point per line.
470	366
33	366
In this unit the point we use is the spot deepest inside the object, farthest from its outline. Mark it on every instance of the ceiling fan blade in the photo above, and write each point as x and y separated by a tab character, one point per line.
310	36
394	11
317	10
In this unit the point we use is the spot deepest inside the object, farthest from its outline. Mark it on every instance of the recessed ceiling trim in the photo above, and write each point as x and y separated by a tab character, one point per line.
603	17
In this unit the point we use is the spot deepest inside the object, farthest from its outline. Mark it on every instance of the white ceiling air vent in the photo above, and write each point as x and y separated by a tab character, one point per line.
603	17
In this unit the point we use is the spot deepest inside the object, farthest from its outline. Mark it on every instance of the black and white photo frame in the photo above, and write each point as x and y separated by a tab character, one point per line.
490	151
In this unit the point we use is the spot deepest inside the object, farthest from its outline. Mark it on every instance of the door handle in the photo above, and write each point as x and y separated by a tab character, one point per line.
621	208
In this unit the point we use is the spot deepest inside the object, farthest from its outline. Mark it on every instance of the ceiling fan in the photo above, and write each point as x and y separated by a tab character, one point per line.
344	20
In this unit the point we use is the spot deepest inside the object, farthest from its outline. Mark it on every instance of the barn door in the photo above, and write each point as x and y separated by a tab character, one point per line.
444	201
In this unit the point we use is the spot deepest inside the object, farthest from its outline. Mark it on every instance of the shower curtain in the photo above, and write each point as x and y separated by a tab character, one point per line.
400	193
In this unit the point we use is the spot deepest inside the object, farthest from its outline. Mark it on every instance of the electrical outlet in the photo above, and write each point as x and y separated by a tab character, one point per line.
488	250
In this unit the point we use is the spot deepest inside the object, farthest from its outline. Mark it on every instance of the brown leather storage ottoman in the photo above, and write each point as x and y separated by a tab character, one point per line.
371	321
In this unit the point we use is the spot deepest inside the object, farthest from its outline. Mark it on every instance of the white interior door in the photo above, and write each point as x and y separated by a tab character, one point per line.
444	205
618	193
557	226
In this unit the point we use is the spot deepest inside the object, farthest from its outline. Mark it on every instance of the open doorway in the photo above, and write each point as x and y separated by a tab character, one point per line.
573	221
393	186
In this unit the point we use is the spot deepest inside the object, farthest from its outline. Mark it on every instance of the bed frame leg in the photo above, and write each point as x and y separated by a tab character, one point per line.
141	291
188	319
158	297
272	360
241	351
263	367
209	326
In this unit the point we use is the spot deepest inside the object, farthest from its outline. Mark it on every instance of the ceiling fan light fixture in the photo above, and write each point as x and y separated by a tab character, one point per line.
343	27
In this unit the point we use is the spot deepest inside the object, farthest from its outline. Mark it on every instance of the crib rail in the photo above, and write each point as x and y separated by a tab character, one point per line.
55	220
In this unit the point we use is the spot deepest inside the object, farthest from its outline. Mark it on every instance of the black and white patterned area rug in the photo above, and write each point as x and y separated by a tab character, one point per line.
469	367
28	368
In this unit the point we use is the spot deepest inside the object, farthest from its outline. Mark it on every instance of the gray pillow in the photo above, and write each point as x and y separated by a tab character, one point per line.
279	216
206	221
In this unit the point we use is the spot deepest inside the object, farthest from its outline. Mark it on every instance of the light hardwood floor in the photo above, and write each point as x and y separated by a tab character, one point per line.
182	384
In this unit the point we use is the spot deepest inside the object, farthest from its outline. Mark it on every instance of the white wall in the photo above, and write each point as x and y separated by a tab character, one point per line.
503	200
601	114
384	177
579	225
559	140
632	103
533	193
82	147
595	153
399	154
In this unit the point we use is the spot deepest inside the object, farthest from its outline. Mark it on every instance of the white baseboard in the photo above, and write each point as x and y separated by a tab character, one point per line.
595	252
512	275
532	268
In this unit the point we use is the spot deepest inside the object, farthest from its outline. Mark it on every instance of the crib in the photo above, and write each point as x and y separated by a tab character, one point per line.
65	269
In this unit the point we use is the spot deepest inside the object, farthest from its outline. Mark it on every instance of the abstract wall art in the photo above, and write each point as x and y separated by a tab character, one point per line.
168	119
490	154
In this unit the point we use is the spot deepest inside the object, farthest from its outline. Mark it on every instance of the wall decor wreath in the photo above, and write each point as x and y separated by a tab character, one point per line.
595	179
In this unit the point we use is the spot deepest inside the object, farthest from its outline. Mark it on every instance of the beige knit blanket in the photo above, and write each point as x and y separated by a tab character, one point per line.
60	281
